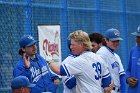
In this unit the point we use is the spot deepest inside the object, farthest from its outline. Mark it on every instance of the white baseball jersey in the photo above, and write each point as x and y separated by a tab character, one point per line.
114	64
89	69
66	78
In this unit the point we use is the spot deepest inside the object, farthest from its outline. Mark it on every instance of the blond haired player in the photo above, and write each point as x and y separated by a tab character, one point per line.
89	69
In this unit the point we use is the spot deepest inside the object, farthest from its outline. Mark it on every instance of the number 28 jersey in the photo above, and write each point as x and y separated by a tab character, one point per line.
89	69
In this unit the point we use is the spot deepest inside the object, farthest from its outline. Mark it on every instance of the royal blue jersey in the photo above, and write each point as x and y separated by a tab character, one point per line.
38	73
134	68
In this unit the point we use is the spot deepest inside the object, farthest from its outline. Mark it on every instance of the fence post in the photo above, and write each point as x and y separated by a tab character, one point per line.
97	15
28	17
64	27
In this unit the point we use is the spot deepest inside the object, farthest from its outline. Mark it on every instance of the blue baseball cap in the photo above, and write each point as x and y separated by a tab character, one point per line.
21	81
137	33
113	34
26	41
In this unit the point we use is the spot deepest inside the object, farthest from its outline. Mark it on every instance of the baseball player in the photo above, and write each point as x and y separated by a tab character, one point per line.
89	69
97	41
133	69
21	84
34	67
112	37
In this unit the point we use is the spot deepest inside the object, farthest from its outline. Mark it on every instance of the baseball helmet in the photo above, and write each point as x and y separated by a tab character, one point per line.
21	81
137	33
26	41
113	34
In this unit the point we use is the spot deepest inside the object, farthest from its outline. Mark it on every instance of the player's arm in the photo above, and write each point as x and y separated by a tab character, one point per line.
21	71
55	67
55	78
128	71
132	81
70	82
52	64
122	76
22	67
106	84
58	69
123	83
106	81
109	88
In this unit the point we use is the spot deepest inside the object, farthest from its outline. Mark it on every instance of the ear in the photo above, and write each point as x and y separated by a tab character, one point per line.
22	89
23	49
100	44
82	46
106	40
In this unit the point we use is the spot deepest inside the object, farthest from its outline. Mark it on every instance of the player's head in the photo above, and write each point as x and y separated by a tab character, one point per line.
79	42
137	34
112	37
97	41
27	44
21	84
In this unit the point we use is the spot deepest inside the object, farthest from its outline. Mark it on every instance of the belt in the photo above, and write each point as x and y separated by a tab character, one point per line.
116	89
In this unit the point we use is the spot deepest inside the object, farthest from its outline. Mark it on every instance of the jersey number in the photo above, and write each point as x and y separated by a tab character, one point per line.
97	67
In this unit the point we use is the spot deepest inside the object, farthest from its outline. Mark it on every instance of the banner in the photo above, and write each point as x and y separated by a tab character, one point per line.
49	41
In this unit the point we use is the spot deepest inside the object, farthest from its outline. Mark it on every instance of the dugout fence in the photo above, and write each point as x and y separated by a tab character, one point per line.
19	17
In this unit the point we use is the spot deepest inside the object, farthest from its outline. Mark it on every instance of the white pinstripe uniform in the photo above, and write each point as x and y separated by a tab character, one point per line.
66	78
89	69
114	64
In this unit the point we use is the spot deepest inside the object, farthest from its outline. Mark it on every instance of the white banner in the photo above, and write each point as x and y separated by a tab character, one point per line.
49	41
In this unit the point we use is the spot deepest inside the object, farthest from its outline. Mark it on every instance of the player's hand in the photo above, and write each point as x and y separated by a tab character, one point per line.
48	58
109	89
111	85
26	61
132	81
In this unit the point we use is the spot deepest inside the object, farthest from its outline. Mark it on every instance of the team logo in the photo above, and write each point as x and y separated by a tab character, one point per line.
138	29
30	37
117	33
115	64
37	73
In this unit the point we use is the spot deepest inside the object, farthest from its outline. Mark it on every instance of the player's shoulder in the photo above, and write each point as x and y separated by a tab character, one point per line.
19	63
134	48
116	55
83	56
39	57
87	54
102	51
93	56
68	59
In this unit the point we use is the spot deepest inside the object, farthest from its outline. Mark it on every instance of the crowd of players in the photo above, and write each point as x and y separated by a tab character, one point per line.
91	67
